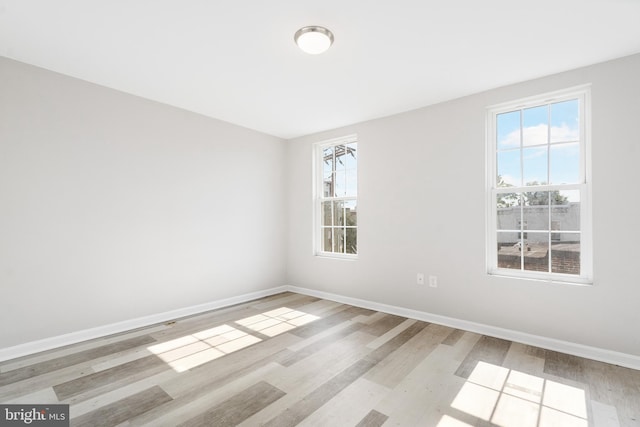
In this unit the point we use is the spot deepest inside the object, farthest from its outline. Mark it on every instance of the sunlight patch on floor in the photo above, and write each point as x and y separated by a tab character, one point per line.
196	349
201	347
275	322
447	421
506	397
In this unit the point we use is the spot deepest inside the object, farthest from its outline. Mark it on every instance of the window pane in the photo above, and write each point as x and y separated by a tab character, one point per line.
351	156
536	252
338	213
327	171
535	125
535	165
327	239
536	198
327	159
340	185
351	213
536	210
509	255
338	234
565	164
339	156
352	240
509	168
326	214
508	130
506	200
565	122
328	184
565	254
352	183
555	235
508	211
565	211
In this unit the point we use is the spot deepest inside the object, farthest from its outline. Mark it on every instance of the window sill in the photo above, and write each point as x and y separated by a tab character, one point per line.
555	280
343	257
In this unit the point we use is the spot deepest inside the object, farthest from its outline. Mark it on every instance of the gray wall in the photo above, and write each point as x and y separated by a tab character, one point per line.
422	209
113	207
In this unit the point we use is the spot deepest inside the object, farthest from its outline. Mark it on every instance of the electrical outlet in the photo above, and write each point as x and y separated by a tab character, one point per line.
433	281
420	279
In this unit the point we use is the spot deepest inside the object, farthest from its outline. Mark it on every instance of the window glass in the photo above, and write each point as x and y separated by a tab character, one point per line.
538	175
337	189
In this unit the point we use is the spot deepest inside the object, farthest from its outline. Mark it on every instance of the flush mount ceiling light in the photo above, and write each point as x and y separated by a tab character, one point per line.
313	39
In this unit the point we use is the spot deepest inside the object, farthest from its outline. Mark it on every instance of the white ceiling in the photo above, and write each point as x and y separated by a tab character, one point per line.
235	60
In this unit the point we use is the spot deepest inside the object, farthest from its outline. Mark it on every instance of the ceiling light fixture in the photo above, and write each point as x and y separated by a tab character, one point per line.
313	39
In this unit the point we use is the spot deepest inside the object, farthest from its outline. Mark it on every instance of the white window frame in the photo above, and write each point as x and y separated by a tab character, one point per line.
318	195
582	93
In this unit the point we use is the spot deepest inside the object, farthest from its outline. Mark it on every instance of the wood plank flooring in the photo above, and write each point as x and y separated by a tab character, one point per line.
291	359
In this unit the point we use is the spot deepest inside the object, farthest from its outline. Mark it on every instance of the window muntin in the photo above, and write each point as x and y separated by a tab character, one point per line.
538	193
336	197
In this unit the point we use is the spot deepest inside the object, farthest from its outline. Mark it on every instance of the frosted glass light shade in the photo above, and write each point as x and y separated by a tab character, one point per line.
313	40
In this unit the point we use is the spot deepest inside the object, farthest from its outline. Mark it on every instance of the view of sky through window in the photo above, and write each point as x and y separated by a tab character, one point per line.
539	145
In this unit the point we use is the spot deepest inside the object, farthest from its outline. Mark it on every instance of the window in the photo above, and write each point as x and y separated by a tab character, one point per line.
337	197
538	188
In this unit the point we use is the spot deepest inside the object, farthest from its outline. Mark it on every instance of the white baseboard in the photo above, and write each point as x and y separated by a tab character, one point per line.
595	353
114	328
603	355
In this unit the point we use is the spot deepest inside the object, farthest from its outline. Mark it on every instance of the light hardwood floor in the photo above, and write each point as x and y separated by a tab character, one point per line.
291	359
